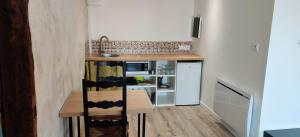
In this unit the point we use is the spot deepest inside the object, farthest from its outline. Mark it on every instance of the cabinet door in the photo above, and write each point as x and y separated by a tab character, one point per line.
188	83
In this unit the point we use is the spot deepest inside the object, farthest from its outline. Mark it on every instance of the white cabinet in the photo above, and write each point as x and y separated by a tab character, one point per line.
173	83
188	83
166	83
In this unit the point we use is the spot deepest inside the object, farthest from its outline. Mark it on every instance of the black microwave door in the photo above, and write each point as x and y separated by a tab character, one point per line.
136	67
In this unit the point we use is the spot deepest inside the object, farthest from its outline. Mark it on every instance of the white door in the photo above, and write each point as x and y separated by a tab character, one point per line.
188	83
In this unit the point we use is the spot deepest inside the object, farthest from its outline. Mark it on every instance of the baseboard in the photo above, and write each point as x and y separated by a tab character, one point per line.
210	110
225	125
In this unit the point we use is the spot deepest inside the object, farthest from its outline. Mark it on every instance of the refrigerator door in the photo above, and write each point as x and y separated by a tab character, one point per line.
188	83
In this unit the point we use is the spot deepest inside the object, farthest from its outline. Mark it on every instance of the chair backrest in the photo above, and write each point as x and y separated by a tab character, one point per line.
107	104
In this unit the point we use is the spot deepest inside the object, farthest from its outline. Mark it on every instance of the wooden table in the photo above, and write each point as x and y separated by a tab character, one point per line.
137	103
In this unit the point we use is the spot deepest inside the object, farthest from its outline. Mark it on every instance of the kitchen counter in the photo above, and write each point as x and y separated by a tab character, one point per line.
146	57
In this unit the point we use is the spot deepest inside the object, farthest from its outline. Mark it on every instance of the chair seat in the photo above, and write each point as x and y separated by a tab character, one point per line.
108	132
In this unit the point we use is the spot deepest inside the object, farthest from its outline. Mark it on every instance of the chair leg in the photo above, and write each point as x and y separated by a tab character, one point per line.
78	126
139	125
86	130
124	130
70	127
144	124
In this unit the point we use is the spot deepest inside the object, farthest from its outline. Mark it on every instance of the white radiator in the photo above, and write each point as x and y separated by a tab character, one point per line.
234	107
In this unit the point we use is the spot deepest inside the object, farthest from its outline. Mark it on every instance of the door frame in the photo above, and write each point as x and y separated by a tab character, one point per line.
17	87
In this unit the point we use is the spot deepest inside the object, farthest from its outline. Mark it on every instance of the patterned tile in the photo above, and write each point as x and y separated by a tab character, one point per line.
141	47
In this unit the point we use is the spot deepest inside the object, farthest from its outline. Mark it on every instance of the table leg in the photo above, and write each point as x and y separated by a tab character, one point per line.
139	125
70	127
144	124
78	126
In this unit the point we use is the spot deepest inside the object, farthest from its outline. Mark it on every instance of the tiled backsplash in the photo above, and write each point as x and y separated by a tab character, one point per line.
142	47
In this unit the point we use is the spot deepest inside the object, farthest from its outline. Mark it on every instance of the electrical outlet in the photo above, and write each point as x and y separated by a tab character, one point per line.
256	47
184	47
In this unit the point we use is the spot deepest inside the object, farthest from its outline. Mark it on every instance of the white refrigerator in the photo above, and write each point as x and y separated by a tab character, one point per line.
188	83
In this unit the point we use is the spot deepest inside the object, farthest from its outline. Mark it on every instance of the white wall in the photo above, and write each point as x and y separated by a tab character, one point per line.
281	99
152	20
229	30
59	32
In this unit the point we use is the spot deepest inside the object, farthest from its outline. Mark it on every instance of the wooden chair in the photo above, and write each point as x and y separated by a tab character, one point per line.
99	126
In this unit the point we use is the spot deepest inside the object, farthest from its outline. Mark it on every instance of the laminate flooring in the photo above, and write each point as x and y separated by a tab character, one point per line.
178	121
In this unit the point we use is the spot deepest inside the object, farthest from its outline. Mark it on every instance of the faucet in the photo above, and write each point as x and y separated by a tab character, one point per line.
101	40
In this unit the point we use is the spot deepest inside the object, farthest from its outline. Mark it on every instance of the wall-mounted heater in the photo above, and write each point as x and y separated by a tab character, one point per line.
234	106
197	24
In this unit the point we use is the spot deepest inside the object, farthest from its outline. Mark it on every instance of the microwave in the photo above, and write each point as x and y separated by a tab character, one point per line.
137	68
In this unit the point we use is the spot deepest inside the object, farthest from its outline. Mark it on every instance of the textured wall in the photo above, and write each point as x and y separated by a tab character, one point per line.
59	32
280	107
142	20
230	28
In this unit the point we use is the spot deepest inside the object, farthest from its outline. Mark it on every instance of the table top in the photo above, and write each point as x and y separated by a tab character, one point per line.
145	57
137	102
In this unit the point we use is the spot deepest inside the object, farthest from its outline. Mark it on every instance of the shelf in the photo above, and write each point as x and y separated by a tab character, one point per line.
166	68
133	75
165	105
165	98
142	85
166	75
165	90
170	81
160	97
137	86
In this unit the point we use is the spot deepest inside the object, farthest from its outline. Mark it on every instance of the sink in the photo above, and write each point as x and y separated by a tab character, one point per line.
109	55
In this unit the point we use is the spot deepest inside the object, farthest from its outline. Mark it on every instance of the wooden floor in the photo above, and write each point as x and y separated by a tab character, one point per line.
180	121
